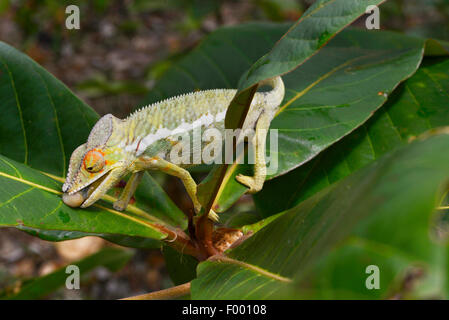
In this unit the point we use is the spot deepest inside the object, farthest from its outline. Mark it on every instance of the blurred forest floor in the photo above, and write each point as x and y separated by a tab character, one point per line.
121	50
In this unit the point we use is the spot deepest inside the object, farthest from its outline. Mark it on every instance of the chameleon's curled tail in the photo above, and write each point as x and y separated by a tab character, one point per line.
275	96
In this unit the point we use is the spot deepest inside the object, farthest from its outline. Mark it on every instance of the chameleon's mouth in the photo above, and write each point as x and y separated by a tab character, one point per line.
78	198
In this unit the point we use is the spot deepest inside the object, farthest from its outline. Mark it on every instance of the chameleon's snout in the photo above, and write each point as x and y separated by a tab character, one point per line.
83	196
73	200
76	199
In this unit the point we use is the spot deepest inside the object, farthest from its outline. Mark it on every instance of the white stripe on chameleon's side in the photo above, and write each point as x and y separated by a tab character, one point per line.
220	116
214	99
183	127
205	120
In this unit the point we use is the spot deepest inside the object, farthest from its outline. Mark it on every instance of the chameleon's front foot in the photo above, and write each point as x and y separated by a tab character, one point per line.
253	184
213	216
120	205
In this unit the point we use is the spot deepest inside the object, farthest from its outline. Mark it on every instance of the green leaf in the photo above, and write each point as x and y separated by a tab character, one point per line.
43	122
112	258
332	94
437	48
420	104
21	188
380	215
320	23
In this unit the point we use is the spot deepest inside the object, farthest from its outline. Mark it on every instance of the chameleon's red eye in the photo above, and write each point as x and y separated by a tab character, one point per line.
93	161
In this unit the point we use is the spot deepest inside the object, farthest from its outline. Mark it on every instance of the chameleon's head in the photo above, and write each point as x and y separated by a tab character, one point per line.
95	166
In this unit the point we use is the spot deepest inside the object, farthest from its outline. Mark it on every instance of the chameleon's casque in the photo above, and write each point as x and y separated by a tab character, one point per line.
143	141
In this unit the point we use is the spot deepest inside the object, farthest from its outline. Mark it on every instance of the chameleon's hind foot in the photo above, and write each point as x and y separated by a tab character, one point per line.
253	185
213	216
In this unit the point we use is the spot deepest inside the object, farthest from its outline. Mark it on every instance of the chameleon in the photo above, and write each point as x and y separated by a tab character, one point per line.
143	141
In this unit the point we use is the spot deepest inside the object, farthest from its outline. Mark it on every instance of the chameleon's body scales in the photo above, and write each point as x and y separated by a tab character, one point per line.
156	128
143	141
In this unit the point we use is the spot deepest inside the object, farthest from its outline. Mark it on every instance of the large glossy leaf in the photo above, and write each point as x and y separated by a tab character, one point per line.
320	23
380	215
332	94
43	122
111	258
420	104
31	200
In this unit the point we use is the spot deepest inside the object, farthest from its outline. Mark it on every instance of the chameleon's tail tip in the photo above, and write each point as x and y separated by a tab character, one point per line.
276	95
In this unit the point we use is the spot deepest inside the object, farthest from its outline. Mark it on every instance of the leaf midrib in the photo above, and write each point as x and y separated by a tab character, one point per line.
251	267
115	212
